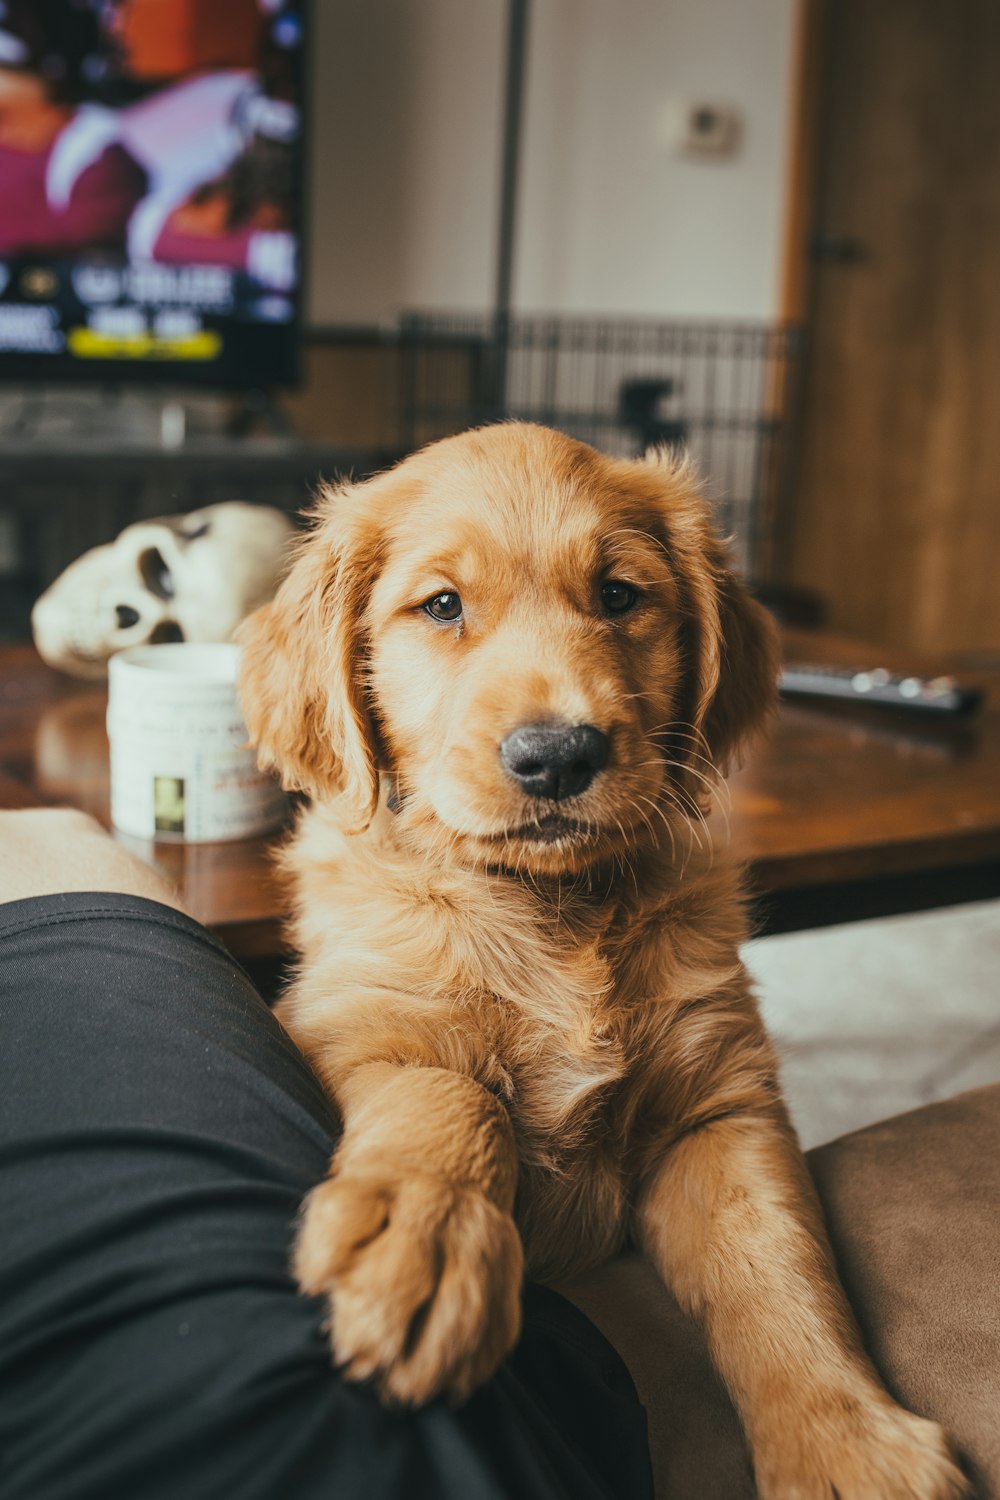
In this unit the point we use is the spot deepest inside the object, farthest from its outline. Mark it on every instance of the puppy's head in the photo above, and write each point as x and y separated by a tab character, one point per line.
541	646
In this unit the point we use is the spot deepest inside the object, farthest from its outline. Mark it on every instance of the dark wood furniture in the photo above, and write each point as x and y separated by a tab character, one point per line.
67	492
839	814
852	812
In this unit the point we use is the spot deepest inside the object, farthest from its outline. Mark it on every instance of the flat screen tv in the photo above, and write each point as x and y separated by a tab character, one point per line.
151	172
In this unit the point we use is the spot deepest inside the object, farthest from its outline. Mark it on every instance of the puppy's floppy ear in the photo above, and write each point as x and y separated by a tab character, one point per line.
303	660
745	671
729	642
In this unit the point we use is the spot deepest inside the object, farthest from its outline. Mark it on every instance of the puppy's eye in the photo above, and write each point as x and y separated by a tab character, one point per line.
618	597
444	607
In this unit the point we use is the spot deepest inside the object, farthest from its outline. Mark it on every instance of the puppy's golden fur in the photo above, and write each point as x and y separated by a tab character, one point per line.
531	1011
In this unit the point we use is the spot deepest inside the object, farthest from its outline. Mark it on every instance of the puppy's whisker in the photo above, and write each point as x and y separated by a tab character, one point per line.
688	804
690	818
719	793
647	823
640	696
667	732
668	825
625	847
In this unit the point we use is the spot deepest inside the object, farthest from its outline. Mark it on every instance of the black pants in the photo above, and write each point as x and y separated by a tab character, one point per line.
159	1131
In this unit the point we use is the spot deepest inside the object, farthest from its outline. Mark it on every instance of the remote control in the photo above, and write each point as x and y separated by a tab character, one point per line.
924	695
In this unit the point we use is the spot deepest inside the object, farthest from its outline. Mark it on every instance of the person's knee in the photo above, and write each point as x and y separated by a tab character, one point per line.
46	851
49	823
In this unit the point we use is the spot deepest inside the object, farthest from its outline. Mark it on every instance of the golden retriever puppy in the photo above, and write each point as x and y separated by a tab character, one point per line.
508	673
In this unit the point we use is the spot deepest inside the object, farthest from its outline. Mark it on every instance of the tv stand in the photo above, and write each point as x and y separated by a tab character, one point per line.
68	487
255	414
257	409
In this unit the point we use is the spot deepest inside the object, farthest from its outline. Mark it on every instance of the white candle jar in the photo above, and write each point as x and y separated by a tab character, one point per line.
181	768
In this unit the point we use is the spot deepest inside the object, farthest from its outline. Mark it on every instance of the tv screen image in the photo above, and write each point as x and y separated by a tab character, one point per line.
151	189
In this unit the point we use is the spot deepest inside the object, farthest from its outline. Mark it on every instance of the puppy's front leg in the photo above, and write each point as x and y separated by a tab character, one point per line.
411	1237
730	1219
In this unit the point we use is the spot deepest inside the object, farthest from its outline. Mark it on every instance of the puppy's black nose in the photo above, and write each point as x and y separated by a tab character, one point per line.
554	760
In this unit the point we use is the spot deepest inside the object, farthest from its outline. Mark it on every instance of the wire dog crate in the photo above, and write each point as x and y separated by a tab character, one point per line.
723	392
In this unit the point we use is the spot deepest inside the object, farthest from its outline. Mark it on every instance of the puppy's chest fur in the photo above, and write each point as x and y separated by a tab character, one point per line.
561	1076
584	1083
565	1013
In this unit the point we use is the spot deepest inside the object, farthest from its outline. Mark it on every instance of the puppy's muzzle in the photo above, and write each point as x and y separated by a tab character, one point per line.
554	760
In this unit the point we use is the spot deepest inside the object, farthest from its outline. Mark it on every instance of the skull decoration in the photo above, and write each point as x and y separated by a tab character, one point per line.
180	578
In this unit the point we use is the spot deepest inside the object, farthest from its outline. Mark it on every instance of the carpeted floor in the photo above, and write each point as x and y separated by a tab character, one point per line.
873	1018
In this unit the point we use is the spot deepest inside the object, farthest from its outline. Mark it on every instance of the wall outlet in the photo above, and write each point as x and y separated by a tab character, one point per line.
699	128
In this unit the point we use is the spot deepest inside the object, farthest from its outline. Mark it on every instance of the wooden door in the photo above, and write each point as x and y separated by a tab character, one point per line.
896	507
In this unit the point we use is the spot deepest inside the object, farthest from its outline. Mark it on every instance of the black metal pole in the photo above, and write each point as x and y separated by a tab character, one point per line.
517	40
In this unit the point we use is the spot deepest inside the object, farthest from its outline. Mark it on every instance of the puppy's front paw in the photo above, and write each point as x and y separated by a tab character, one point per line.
860	1451
423	1279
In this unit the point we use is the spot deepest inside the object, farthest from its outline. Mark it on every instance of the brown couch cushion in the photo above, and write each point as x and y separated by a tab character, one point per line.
913	1206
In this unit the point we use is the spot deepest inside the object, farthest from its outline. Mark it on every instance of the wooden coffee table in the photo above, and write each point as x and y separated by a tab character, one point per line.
839	814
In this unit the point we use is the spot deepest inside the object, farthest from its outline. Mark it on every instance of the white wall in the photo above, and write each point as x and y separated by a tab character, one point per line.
406	105
405	177
613	218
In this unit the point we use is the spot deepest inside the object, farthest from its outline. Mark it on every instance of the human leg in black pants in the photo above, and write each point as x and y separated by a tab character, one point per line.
159	1131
